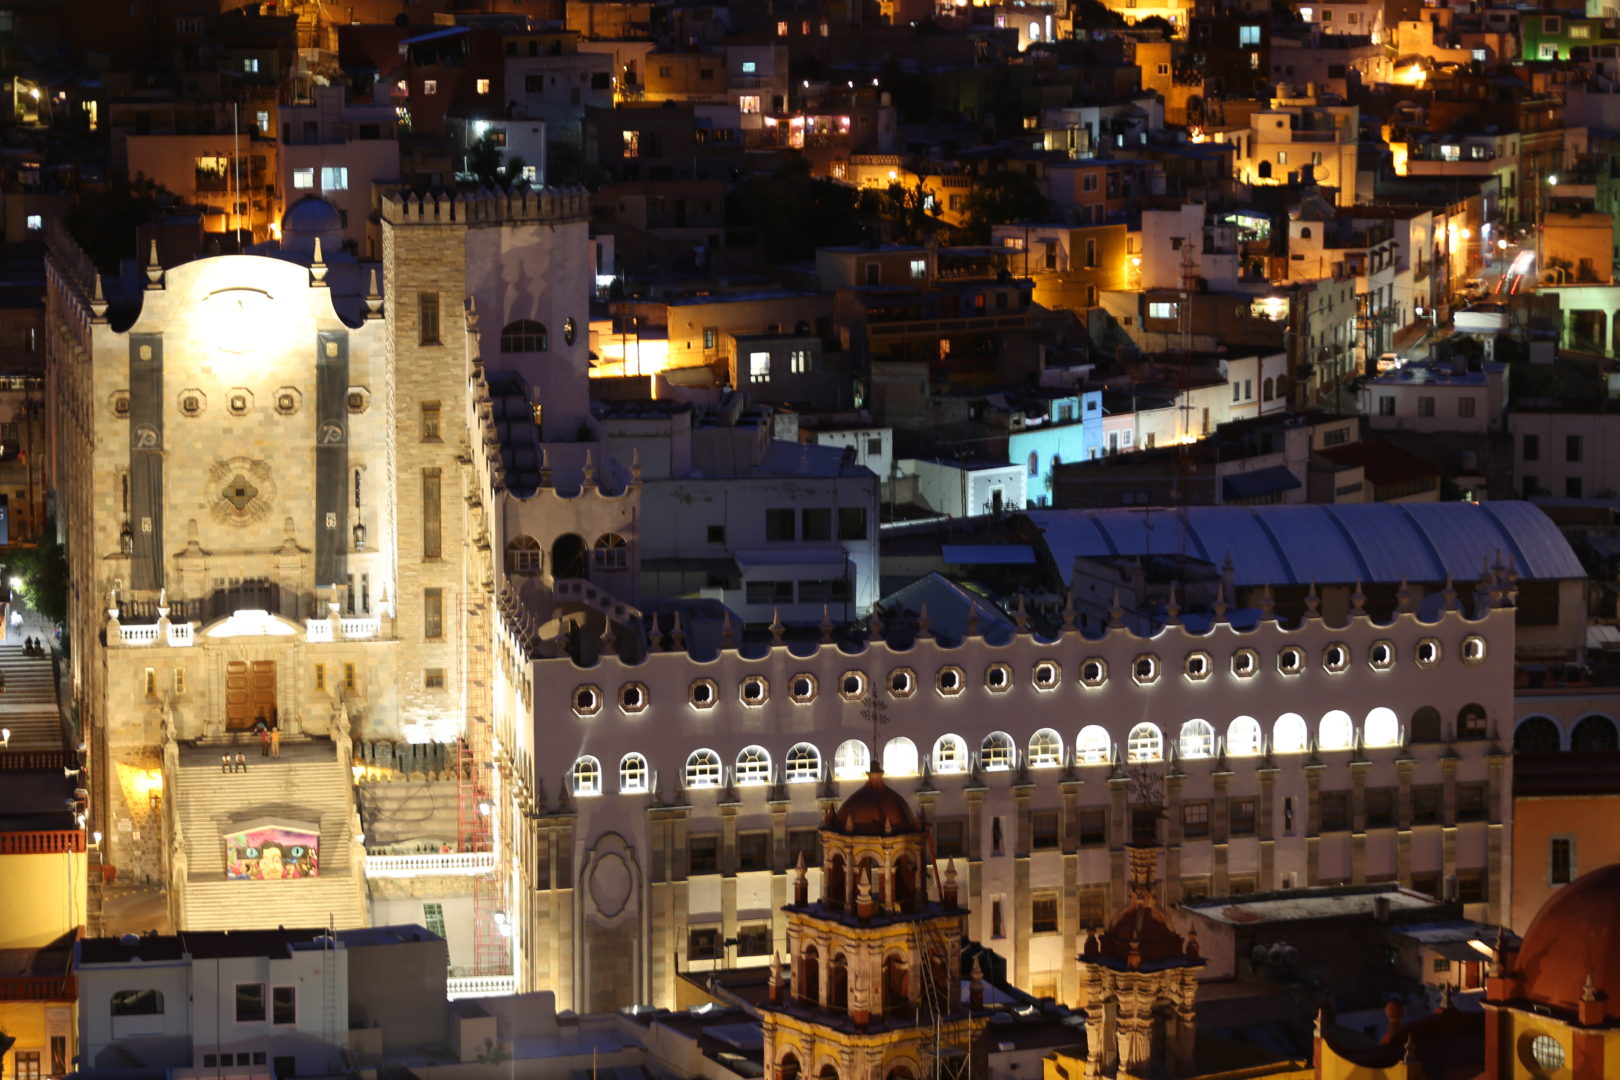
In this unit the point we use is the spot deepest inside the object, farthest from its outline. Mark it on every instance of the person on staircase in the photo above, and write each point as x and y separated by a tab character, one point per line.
275	742
264	737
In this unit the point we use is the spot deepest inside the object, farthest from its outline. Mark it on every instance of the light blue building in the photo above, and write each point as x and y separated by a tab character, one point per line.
1070	431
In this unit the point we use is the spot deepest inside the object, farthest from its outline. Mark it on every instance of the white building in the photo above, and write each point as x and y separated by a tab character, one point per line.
337	149
1573	454
1433	397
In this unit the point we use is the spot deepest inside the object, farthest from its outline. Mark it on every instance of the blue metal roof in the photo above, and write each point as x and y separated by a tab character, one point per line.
988	554
1298	544
1267	481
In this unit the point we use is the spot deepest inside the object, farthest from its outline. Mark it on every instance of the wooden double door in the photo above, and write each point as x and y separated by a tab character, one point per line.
250	693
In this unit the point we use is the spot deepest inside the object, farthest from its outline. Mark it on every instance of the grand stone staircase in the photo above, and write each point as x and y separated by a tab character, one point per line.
28	707
306	784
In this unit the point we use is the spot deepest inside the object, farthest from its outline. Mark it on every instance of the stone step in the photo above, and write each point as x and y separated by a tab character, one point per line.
318	791
265	905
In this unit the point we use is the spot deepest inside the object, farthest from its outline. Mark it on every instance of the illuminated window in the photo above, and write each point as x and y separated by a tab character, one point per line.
1197	739
703	769
587	776
1248	36
1144	743
996	752
950	755
1161	309
748	104
803	763
1045	749
334	178
483	86
430	87
1290	736
632	143
1548	1053
753	766
632	773
1093	746
759	367
303	179
852	760
1243	737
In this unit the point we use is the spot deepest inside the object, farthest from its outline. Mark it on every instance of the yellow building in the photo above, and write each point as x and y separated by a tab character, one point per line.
42	911
872	991
1548	1012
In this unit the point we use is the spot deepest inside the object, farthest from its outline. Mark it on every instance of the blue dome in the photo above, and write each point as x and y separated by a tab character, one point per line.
310	217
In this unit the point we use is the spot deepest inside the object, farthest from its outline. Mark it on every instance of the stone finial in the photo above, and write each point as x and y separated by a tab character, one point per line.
98	302
826	625
774	979
1449	596
1021	616
154	267
972	619
1588	989
776	626
874	625
1403	598
948	892
1116	612
587	474
1219	608
1268	603
317	268
1172	609
677	636
976	985
373	298
801	882
655	636
1068	610
865	906
1313	603
472	315
925	625
728	634
1358	600
635	465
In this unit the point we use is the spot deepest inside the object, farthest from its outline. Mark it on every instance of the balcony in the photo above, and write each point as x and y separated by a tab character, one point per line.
432	864
480	986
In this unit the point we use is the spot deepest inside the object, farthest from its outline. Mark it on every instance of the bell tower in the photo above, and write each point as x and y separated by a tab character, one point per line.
872	990
1141	980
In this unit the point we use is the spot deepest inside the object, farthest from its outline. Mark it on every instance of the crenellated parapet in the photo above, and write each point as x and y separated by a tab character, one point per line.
520	204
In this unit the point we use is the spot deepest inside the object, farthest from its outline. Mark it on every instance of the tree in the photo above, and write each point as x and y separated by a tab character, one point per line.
485	162
40	574
795	213
913	211
1002	198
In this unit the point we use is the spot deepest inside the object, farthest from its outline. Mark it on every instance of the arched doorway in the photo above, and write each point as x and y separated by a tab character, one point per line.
1537	735
788	1067
832	888
896	986
810	975
568	557
1594	733
838	983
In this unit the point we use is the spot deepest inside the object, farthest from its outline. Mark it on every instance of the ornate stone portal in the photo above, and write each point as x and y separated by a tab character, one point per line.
1141	980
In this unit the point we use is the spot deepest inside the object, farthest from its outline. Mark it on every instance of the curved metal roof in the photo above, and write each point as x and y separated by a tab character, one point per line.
1302	543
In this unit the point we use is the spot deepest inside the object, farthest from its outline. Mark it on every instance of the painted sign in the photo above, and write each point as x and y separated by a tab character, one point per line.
272	853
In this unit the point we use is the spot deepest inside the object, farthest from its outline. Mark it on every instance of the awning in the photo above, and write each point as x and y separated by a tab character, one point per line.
1260	482
988	554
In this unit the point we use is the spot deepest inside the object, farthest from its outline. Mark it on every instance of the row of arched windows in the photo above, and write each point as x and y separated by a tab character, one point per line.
997	752
610	552
1539	734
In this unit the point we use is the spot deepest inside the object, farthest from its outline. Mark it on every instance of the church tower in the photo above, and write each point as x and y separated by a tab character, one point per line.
1141	981
872	991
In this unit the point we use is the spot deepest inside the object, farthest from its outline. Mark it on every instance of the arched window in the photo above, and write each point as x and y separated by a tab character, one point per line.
1426	725
1289	735
1264	170
996	752
610	553
896	986
803	763
1336	731
525	335
587	776
523	555
1471	723
1305	233
1594	733
568	559
950	754
810	975
900	757
1093	746
1266	389
788	1067
1197	739
1537	735
1144	743
753	766
852	760
703	769
1243	737
137	1003
632	774
838	983
1045	749
1382	728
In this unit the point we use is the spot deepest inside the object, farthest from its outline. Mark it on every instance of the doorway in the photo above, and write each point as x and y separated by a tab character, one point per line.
250	693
